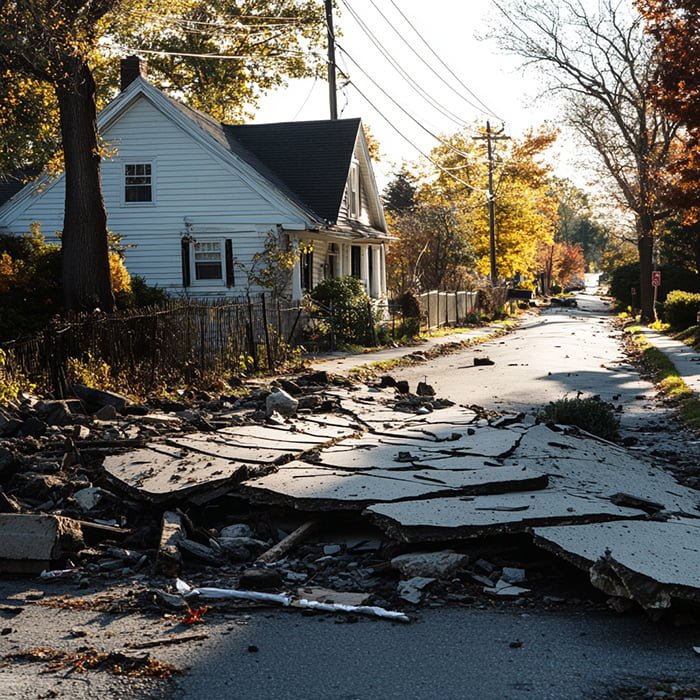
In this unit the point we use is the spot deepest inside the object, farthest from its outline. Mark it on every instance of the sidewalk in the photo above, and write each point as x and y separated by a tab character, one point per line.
685	359
340	362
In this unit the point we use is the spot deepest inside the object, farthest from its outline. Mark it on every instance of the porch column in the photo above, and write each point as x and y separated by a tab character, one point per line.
376	286
296	271
364	266
382	258
341	260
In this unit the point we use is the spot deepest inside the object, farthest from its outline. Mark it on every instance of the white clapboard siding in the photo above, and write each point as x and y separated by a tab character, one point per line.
365	214
192	185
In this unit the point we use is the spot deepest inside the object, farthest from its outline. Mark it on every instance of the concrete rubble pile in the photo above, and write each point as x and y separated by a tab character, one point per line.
344	494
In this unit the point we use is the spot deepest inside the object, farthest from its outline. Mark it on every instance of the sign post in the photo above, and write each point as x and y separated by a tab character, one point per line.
656	283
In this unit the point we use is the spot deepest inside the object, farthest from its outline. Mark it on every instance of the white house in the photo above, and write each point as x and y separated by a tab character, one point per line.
197	198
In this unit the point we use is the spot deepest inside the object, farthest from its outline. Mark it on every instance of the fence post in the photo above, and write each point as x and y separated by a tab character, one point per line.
268	345
251	337
370	320
427	296
331	316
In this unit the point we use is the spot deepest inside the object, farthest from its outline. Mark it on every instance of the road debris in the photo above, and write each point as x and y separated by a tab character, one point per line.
89	659
651	563
357	495
288	601
31	543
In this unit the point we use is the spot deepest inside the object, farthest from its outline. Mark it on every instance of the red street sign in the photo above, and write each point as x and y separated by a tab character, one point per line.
656	278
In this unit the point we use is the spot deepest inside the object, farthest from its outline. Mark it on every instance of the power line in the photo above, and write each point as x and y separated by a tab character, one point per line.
233	57
419	150
308	97
397	67
403	109
486	109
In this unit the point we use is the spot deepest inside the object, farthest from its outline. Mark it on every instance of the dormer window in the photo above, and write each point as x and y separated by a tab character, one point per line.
138	183
354	191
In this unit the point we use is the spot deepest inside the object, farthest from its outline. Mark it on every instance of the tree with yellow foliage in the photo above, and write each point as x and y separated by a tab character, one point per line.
456	237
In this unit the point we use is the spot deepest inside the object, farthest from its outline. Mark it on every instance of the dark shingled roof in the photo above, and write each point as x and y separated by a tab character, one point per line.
309	161
311	158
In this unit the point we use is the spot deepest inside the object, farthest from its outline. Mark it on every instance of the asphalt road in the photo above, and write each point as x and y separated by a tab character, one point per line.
445	652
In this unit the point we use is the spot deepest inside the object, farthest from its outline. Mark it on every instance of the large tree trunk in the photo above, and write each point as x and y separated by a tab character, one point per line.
645	246
85	253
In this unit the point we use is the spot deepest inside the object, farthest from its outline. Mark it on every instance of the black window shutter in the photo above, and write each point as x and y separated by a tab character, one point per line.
230	280
185	254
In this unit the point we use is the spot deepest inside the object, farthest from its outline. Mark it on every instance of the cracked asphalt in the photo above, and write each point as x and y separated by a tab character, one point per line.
447	652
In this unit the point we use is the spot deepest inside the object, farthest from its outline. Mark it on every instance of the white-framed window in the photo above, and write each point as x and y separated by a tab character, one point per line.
208	261
354	190
139	183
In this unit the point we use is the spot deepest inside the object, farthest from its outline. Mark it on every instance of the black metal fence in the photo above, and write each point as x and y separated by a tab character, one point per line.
152	347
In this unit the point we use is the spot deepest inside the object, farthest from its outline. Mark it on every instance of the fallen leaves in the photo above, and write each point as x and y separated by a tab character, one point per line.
89	659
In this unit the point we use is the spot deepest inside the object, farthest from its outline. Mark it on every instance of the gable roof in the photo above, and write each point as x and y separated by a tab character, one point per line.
307	163
292	155
312	158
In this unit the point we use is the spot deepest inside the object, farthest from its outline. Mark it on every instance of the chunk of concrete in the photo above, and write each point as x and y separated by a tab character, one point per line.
169	557
281	402
89	497
649	562
95	397
237	530
412	589
429	564
459	518
31	543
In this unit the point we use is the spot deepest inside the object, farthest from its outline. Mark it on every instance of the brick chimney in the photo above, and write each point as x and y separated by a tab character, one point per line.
130	68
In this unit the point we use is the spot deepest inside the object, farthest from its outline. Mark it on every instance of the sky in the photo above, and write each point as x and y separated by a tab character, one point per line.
477	81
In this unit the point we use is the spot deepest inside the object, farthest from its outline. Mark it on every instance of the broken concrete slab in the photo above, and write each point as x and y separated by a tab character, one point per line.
649	562
316	487
31	543
441	519
485	442
160	472
199	463
603	469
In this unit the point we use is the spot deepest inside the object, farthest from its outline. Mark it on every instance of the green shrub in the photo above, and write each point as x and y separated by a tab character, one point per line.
30	283
345	311
591	414
141	295
681	309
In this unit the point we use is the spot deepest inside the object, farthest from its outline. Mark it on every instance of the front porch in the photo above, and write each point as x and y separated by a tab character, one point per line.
328	259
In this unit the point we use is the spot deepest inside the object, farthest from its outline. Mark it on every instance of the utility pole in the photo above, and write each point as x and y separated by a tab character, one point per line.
331	60
490	137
